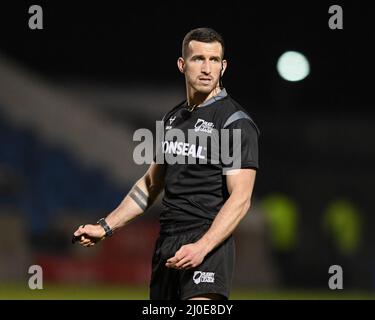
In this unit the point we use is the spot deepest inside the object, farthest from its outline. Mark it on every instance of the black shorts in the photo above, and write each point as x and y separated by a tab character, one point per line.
213	275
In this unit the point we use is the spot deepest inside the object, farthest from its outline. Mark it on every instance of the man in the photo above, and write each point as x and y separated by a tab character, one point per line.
194	255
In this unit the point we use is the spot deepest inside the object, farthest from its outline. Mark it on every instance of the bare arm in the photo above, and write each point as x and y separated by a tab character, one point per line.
240	187
138	200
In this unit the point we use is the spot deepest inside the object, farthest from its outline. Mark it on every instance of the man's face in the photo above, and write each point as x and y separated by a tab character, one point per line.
202	65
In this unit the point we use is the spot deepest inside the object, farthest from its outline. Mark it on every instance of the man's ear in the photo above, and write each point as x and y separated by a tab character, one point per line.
224	65
181	64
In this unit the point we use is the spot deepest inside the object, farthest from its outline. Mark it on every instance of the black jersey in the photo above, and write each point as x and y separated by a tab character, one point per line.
195	185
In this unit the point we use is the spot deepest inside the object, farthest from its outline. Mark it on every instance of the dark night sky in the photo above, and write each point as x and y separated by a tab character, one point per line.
113	41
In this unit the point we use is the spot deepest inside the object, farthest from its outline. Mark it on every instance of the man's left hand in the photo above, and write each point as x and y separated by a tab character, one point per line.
188	256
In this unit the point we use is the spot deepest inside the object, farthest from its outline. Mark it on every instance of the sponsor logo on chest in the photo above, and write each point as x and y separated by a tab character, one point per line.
203	126
183	148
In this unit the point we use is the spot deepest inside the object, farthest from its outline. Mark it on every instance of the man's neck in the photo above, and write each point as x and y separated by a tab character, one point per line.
195	98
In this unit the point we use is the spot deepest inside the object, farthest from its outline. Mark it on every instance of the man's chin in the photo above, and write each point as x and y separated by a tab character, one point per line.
204	89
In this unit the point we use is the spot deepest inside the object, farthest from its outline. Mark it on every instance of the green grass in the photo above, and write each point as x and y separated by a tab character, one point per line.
73	292
104	292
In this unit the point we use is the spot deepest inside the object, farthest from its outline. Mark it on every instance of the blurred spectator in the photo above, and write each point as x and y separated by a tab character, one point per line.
342	224
282	221
342	221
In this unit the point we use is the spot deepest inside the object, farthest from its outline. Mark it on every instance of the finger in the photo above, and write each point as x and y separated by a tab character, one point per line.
170	264
173	260
82	240
86	241
80	230
186	266
181	262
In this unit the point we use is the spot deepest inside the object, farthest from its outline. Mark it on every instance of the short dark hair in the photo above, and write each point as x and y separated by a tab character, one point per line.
207	35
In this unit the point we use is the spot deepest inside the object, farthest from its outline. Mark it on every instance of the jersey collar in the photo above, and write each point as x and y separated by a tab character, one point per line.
221	95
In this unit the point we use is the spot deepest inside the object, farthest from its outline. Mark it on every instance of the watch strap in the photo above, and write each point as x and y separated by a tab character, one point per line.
107	229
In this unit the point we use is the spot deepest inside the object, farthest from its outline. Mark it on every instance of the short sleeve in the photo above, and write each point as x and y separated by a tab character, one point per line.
157	144
243	145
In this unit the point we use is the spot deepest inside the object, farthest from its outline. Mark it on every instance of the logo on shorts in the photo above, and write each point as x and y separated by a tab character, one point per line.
200	276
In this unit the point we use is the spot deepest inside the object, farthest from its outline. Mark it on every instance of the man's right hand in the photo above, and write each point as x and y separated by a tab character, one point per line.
89	234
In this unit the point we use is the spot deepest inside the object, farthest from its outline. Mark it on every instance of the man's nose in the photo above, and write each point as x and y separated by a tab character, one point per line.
206	68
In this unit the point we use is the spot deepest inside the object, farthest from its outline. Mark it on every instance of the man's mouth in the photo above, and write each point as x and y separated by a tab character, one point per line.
205	80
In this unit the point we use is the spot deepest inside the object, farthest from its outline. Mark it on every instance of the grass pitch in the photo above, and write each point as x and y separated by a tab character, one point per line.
106	292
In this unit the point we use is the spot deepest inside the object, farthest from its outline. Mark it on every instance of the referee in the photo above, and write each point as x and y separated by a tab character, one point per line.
203	201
